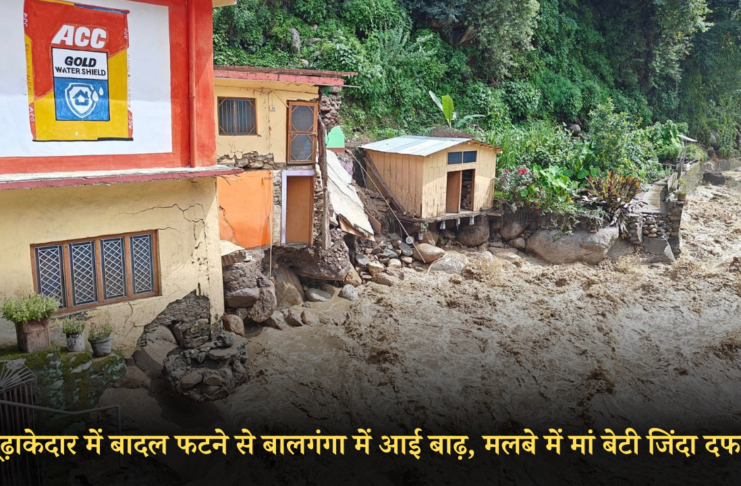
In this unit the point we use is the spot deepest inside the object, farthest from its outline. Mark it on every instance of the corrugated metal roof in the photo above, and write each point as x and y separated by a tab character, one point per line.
412	145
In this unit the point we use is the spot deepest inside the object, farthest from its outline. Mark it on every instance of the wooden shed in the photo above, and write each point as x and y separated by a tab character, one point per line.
435	178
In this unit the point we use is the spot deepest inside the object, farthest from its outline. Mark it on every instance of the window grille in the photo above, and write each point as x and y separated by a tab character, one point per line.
237	116
302	132
85	273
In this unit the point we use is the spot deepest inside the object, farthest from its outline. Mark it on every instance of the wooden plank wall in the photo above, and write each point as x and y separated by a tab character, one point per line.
403	174
435	179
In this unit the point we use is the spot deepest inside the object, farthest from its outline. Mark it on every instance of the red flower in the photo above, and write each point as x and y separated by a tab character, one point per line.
535	202
506	170
523	171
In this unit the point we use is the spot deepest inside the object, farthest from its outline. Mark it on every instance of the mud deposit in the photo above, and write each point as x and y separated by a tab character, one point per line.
513	344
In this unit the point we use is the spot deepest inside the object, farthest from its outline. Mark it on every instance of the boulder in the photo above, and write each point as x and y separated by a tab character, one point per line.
473	235
407	260
431	237
191	379
317	263
518	243
427	253
288	290
385	279
245	297
508	254
485	256
714	178
451	263
353	278
394	263
495	224
511	230
295	40
265	305
349	292
309	318
660	250
406	250
192	334
316	295
233	324
374	268
293	316
580	246
362	260
277	321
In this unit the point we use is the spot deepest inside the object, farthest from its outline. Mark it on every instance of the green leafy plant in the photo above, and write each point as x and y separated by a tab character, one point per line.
615	194
447	107
32	308
73	326
100	331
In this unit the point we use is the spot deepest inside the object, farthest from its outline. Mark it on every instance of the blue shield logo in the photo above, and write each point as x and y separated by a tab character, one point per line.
81	98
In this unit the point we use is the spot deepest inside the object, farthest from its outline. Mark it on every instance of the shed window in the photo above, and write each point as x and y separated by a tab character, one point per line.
302	128
103	270
462	157
237	116
470	157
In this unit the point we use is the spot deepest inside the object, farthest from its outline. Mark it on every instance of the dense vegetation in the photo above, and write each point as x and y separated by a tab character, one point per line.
519	71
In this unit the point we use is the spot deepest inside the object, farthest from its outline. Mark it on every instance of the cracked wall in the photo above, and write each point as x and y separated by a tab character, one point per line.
184	213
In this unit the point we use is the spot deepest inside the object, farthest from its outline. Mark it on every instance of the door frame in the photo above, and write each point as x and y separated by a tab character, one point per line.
284	199
448	188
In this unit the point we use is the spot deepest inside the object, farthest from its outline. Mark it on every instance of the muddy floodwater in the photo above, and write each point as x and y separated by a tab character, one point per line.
511	344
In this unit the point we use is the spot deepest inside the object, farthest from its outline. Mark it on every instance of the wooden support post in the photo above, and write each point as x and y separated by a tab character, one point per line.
326	239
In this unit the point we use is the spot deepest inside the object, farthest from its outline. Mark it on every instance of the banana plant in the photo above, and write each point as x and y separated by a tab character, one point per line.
446	106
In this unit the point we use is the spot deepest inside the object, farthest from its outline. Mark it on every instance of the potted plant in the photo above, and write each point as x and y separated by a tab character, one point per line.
75	332
31	318
682	190
100	339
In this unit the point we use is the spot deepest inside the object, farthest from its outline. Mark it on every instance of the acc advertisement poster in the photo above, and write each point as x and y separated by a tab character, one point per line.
88	78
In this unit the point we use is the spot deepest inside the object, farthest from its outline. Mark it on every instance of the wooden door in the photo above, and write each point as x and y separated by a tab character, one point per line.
453	197
299	204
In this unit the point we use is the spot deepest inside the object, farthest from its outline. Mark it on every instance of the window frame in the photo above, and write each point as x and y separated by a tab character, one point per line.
220	100
463	157
313	134
99	284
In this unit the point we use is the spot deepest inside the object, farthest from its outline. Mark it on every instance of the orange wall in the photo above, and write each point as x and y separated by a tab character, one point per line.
246	208
179	93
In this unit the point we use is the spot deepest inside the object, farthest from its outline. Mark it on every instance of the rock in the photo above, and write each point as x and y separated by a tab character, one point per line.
385	279
349	292
407	260
574	128
191	379
428	253
353	278
715	139
245	297
135	378
374	268
714	178
708	167
509	254
518	243
223	339
580	246
265	305
495	225
293	316
473	234
394	263
316	295
431	237
406	250
295	40
190	308
233	324
362	260
317	263
305	63
660	249
288	289
511	230
395	272
619	249
192	334
480	255
451	263
309	318
277	321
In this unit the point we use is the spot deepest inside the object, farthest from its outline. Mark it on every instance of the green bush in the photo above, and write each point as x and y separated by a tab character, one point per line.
523	98
696	153
32	308
372	15
100	331
73	326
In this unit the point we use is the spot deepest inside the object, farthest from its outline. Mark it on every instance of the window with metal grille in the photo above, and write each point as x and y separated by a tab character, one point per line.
302	128
104	270
237	116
